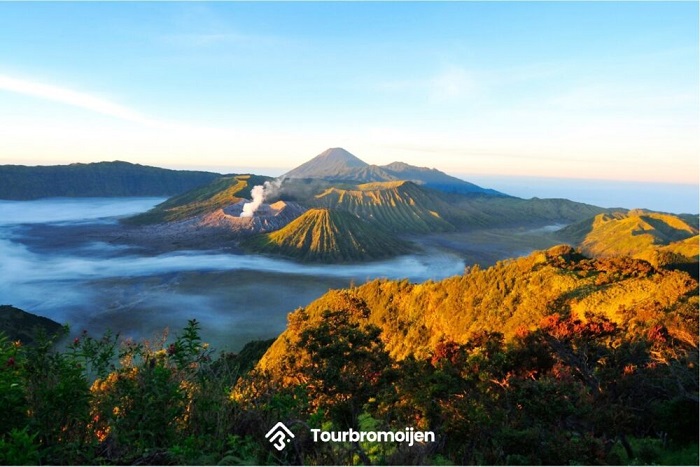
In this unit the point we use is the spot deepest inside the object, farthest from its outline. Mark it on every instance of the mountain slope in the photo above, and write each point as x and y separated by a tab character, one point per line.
396	206
337	164
406	207
101	179
509	297
629	233
323	235
331	163
218	194
507	211
435	179
19	325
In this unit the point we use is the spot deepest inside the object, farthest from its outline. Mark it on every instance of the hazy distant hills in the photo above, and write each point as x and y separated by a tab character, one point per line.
101	179
330	163
337	164
331	236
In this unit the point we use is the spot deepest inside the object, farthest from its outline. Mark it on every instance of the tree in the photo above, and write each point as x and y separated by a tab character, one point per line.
342	362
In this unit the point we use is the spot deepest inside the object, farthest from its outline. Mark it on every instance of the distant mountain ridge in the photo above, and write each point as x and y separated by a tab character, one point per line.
329	163
100	179
337	164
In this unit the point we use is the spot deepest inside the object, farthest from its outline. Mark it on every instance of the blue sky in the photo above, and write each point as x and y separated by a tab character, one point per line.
548	89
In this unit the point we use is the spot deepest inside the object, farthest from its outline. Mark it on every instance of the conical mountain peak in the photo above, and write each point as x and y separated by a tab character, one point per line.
341	155
337	164
330	163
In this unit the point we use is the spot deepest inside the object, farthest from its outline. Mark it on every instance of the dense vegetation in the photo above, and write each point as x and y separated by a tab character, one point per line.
102	179
323	235
19	325
512	296
550	359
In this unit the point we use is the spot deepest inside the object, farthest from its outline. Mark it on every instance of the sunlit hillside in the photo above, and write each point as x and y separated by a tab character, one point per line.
323	235
509	297
220	193
628	233
665	240
397	206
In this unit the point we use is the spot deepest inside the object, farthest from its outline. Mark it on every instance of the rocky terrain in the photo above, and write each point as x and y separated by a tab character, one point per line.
221	228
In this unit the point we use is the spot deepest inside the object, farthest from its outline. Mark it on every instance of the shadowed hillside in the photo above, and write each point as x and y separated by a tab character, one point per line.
323	235
101	179
19	325
337	164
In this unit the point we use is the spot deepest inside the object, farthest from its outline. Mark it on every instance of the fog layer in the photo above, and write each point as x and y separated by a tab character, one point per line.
98	286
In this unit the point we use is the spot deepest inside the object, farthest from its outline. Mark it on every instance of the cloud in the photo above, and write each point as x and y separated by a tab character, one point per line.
74	98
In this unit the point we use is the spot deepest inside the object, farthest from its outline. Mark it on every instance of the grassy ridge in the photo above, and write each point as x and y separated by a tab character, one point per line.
215	195
665	240
505	211
402	206
323	235
628	233
508	297
397	206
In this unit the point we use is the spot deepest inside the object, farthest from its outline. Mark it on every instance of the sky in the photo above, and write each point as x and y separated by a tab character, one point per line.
587	90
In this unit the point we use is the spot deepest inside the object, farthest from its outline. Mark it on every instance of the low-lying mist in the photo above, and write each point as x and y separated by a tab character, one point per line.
73	210
98	286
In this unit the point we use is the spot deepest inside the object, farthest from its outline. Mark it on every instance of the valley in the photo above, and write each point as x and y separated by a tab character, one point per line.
372	295
349	233
240	252
142	290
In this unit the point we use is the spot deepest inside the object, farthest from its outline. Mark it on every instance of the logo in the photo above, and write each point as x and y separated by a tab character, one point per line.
279	435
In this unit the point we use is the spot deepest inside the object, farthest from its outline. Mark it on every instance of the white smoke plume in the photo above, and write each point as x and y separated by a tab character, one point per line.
260	193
